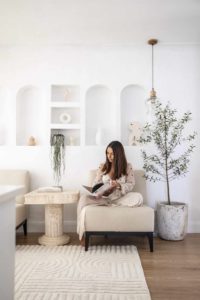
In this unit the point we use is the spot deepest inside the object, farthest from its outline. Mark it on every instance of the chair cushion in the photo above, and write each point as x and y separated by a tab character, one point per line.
17	177
119	218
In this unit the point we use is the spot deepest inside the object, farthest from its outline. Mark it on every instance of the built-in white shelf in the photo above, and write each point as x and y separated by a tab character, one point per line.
65	126
64	104
65	93
72	136
65	115
65	112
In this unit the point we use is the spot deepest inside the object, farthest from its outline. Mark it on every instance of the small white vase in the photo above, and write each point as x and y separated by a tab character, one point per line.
98	137
72	141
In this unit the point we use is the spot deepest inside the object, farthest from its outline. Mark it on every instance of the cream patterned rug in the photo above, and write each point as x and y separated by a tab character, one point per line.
70	273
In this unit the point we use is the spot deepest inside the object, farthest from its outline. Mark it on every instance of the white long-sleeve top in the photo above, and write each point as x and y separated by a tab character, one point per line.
127	182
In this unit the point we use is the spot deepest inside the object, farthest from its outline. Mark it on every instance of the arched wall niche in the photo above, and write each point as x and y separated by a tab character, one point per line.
99	116
30	115
132	109
4	122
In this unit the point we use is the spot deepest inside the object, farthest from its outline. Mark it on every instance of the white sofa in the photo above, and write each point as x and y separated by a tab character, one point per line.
18	177
120	220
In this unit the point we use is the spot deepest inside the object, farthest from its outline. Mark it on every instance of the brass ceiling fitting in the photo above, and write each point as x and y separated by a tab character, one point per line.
152	42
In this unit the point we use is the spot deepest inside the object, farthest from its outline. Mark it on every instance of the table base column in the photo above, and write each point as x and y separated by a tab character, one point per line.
54	226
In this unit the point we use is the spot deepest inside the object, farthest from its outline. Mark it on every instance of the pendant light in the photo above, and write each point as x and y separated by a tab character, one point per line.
152	99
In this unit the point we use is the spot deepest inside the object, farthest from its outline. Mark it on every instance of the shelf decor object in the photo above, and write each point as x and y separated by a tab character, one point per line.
58	156
135	129
153	97
31	141
66	94
65	117
72	141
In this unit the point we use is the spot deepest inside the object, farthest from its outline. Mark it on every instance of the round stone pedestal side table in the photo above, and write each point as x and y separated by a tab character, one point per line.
54	206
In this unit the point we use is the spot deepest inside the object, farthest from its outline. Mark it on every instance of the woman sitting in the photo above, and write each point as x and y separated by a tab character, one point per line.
120	176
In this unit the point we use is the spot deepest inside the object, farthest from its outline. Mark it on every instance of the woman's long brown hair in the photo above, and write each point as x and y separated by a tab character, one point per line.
120	162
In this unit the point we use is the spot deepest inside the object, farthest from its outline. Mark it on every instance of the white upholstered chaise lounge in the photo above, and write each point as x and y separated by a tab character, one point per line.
120	220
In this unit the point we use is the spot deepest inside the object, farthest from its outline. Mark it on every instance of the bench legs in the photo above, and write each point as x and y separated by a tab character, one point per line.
25	227
89	233
87	237
150	238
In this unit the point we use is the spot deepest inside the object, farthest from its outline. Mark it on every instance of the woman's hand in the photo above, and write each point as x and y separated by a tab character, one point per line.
111	188
114	184
108	192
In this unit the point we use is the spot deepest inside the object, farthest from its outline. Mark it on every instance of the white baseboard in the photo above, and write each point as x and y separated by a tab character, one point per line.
70	226
38	226
194	227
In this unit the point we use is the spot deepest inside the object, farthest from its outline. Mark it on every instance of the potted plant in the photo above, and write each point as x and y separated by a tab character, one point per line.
168	161
57	156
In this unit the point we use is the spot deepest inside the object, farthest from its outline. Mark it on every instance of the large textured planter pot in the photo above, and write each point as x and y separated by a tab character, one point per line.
172	220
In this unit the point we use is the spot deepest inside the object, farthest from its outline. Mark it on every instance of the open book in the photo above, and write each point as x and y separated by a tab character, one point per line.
98	189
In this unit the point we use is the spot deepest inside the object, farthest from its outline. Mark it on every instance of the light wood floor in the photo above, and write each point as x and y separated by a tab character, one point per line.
172	271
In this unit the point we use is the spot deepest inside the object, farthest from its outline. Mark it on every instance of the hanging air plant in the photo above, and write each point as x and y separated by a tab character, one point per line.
57	156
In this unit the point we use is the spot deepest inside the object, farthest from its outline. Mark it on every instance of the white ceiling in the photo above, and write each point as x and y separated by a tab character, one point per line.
98	22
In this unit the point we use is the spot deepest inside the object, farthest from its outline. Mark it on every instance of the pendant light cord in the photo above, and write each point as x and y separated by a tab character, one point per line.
153	97
152	69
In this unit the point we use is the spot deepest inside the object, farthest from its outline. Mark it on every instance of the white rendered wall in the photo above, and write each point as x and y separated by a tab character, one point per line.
177	78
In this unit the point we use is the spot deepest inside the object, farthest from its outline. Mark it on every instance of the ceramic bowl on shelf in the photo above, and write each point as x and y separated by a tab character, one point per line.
65	118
